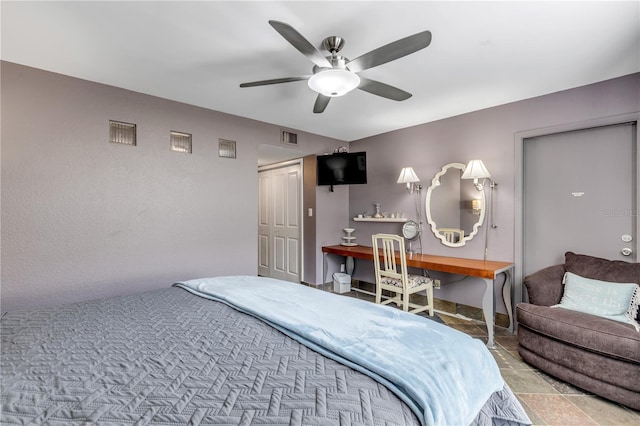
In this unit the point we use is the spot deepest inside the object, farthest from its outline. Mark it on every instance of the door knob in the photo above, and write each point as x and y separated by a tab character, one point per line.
626	251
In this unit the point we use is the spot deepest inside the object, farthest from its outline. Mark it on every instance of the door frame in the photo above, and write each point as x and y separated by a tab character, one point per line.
519	140
299	162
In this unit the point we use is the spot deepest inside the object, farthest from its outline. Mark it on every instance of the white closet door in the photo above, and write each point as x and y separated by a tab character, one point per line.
279	223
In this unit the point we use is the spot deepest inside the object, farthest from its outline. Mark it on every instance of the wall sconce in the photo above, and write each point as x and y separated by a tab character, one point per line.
408	176
476	170
476	206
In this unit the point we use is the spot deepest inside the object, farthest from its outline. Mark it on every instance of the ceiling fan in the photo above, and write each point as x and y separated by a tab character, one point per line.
336	75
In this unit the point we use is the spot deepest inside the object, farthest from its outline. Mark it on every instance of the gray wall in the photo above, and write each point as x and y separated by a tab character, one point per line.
83	218
488	135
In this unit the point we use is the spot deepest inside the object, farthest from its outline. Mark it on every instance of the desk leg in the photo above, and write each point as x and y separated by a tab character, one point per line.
324	267
506	296
350	265
489	310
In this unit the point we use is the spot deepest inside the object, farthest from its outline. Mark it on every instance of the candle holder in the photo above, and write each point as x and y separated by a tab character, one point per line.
377	215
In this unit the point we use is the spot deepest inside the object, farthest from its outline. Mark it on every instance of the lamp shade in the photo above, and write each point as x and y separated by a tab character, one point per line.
475	170
333	82
407	175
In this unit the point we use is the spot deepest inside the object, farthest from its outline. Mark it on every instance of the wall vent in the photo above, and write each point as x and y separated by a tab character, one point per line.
226	148
180	142
288	138
122	133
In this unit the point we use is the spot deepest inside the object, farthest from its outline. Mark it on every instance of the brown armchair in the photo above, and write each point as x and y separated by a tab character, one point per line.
597	354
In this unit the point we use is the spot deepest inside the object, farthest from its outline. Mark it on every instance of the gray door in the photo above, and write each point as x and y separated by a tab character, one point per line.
579	195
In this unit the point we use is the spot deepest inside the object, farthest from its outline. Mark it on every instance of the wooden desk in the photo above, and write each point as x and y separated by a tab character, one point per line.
487	270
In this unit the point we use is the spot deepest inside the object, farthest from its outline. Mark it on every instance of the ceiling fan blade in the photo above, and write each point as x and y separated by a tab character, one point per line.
391	51
299	42
274	81
381	89
321	103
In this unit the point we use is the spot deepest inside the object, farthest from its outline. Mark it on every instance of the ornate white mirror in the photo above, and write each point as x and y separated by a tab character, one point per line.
455	209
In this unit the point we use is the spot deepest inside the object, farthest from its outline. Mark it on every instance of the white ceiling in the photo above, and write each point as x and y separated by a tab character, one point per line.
482	53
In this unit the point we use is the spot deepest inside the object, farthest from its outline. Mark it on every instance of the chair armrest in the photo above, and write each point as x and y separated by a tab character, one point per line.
545	286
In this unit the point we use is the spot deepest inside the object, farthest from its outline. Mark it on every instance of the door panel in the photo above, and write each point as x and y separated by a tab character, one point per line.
293	265
579	195
293	199
279	194
264	224
279	257
263	253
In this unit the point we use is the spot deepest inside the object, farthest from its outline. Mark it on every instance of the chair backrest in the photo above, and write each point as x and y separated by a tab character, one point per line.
452	235
394	259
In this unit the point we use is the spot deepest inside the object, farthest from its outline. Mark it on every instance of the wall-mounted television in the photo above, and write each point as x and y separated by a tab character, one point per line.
343	168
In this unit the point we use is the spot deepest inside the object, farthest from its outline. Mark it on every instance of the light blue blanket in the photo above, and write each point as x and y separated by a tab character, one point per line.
444	375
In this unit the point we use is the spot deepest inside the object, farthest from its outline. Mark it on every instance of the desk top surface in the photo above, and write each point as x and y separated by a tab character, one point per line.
453	265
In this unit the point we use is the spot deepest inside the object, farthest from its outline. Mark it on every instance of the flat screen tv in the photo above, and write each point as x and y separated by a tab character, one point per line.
344	168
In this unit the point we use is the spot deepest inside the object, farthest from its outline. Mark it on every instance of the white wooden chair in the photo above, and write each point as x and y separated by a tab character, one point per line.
391	274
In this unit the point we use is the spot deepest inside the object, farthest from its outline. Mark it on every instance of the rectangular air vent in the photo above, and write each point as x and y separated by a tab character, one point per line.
288	138
180	142
122	133
226	148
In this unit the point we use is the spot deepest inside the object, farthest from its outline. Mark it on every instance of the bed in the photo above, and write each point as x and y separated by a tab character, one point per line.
244	350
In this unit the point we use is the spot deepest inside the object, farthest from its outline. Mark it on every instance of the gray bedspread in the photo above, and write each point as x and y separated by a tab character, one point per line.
170	357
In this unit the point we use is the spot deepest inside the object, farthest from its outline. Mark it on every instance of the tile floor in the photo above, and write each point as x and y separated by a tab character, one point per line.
547	401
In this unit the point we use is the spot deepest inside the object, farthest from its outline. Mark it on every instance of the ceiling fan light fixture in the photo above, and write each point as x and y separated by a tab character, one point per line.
334	82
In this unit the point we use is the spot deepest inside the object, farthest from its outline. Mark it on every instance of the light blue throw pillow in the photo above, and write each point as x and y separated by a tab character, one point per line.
602	298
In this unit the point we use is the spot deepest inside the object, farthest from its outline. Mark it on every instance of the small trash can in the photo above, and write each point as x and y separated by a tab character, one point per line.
341	283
